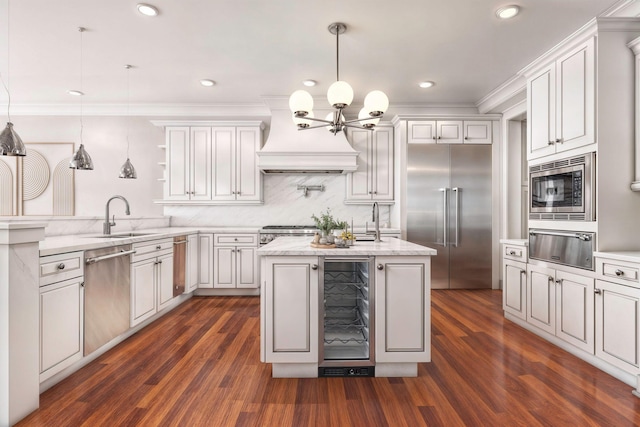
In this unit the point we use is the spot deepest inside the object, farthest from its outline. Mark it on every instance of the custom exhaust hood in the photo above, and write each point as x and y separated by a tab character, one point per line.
290	151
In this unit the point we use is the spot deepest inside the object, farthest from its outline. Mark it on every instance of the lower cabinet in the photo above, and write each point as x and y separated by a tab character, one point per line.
235	261
514	288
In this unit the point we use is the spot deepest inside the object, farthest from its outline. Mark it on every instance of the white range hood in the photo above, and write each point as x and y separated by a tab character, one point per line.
312	151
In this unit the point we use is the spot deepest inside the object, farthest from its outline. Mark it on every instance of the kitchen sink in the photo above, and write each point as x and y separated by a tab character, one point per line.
121	235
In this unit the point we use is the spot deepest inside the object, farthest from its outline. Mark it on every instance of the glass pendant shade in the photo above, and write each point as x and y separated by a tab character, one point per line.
303	122
340	94
366	120
81	160
301	101
127	171
376	103
10	142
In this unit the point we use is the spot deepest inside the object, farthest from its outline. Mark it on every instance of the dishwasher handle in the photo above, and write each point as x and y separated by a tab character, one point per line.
104	257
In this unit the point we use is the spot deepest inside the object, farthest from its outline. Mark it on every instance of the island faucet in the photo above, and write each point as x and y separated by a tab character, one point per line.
106	228
376	223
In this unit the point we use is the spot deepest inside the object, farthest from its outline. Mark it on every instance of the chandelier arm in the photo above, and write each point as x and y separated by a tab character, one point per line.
315	127
319	120
347	125
357	120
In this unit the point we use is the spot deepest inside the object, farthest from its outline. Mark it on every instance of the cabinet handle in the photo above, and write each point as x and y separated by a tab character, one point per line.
558	141
550	279
238	193
559	281
158	247
619	273
375	192
61	266
369	192
523	271
512	252
439	137
160	262
314	266
551	143
380	267
597	291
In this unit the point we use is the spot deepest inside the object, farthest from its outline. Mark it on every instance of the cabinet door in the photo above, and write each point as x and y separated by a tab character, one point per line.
421	132
200	175
618	325
402	309
246	268
575	114
177	164
164	280
541	113
359	183
191	269
574	310
291	310
541	298
143	290
382	164
205	263
224	163
477	131
450	132
61	326
248	184
514	292
224	267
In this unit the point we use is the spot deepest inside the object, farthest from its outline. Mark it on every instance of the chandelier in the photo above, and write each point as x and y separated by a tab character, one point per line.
339	95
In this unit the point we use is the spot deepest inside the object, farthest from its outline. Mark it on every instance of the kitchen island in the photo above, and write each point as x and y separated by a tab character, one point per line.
380	290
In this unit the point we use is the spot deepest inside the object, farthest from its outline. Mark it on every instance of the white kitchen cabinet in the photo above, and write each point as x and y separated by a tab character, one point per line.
236	176
151	279
61	312
618	325
188	163
514	289
373	180
449	132
191	269
561	103
291	310
235	262
562	304
402	309
205	264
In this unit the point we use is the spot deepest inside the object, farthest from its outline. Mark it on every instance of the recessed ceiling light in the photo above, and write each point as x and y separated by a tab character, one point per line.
75	92
207	82
508	12
147	9
309	83
425	85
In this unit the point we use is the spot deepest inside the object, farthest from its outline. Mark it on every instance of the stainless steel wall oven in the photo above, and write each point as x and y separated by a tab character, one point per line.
563	189
570	248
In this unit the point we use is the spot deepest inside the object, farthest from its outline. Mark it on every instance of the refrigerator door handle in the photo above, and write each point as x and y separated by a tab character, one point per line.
445	215
456	190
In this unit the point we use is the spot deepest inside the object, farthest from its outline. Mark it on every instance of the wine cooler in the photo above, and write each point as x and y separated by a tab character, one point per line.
346	317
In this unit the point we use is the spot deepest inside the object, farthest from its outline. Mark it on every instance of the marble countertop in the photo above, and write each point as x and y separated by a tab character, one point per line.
287	246
80	242
518	242
629	256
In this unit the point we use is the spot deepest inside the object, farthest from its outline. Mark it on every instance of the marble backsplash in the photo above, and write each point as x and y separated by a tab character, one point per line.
59	226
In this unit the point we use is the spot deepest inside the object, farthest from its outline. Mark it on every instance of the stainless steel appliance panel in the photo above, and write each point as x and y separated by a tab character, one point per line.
570	248
179	264
449	209
106	295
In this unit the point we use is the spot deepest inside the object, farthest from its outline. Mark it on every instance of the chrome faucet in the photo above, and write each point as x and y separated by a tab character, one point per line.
376	223
106	228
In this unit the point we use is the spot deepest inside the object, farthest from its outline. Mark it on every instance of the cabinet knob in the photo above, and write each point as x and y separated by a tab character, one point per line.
235	239
512	252
238	193
380	267
550	279
559	281
61	266
160	262
466	138
158	247
375	192
597	291
314	266
619	273
558	141
551	143
439	137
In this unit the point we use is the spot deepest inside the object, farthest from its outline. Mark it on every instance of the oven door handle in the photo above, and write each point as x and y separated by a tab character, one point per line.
581	236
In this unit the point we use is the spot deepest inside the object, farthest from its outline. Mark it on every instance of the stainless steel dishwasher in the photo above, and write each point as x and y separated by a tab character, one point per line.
106	295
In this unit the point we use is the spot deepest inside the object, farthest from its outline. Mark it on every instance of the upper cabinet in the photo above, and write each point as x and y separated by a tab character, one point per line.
449	132
561	103
215	163
373	181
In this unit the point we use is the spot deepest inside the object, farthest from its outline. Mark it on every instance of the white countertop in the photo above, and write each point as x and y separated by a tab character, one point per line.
517	242
80	242
629	256
287	246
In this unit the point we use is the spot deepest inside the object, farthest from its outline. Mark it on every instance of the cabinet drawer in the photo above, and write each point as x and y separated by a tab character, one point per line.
236	239
516	253
146	250
618	271
55	268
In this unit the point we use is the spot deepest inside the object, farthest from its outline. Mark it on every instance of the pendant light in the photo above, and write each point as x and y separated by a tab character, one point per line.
127	170
81	159
10	143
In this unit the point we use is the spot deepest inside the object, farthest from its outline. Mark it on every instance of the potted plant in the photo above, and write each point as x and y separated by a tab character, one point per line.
326	224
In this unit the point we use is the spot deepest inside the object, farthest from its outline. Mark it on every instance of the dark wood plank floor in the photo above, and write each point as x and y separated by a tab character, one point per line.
199	366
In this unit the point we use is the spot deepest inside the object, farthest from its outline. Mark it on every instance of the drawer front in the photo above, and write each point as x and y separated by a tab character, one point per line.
620	272
516	253
146	250
55	268
236	239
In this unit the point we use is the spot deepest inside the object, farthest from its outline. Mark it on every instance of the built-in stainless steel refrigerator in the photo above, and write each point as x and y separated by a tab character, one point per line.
449	209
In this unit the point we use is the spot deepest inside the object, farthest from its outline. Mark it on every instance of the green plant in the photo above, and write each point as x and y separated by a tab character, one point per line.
326	223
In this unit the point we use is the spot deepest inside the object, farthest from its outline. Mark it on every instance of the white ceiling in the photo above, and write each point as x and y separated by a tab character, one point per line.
257	48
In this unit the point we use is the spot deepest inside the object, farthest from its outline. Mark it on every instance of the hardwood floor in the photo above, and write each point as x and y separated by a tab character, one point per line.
199	366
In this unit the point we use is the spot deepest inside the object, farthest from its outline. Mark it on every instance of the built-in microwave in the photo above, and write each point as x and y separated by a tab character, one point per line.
563	189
